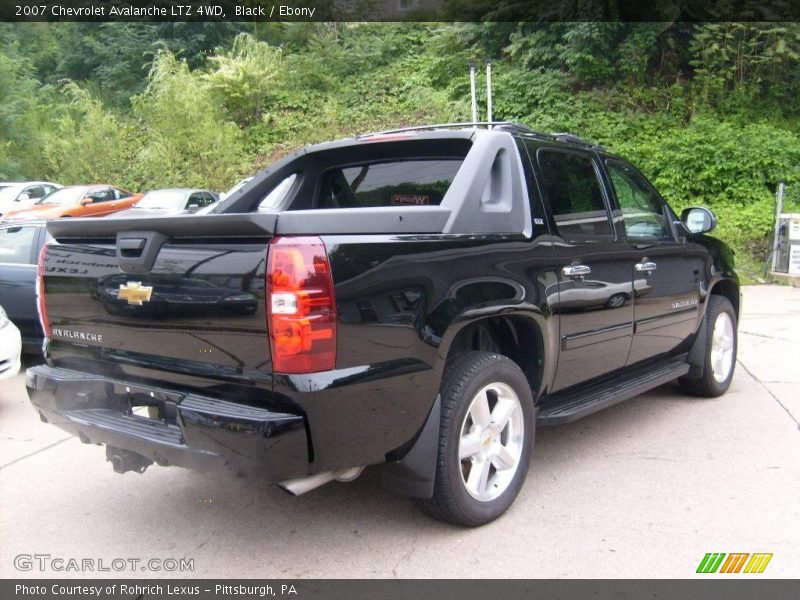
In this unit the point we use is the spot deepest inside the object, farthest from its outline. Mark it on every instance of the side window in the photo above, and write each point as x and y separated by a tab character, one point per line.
34	192
196	199
643	212
278	193
119	194
538	214
573	192
16	245
207	200
101	194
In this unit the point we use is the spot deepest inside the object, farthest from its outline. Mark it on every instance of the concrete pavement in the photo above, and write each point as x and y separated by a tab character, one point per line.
643	489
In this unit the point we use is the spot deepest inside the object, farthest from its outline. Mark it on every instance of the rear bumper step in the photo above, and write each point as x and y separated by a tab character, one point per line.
200	432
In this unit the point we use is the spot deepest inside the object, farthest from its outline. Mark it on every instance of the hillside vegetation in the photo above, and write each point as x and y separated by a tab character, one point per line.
710	112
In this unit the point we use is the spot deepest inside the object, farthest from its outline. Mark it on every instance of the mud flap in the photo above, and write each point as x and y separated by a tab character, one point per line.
415	474
697	353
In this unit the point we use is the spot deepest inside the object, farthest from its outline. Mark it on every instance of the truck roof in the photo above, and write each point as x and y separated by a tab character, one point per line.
449	130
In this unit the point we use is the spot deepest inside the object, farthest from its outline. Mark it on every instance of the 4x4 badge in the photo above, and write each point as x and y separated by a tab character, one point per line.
134	292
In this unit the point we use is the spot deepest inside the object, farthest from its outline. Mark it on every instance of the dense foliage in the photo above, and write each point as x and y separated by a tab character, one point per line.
710	112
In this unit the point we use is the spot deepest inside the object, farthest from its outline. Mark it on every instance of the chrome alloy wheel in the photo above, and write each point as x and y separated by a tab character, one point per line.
490	445
722	347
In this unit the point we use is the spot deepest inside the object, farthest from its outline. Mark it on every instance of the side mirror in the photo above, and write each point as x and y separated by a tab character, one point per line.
23	198
698	219
86	201
193	208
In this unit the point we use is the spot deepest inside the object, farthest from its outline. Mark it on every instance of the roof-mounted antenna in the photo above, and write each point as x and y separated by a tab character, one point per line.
472	90
489	91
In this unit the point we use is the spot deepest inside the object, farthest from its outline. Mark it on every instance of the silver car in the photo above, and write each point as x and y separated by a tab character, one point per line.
171	201
10	347
18	195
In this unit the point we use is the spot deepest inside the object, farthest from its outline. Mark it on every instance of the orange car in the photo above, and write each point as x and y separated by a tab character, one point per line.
77	201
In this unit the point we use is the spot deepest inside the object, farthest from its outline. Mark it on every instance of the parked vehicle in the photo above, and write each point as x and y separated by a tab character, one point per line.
267	204
238	186
587	293
170	202
207	210
21	195
10	347
77	201
20	244
409	314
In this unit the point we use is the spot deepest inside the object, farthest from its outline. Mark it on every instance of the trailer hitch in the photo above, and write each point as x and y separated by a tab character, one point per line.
125	460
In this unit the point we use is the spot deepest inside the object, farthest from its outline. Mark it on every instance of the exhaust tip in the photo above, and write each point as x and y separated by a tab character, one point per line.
301	485
286	488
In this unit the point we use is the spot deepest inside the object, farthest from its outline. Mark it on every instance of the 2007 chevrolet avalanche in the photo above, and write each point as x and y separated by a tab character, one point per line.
418	299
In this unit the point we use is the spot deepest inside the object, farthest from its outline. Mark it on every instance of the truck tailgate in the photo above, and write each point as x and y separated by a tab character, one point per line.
168	294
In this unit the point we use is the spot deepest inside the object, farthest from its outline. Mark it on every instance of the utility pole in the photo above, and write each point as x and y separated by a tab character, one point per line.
778	212
472	90
489	91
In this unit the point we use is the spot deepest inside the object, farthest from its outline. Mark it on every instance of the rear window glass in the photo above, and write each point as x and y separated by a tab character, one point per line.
414	182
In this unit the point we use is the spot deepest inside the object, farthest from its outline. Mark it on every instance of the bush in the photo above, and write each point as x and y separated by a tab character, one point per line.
184	139
246	80
19	123
84	143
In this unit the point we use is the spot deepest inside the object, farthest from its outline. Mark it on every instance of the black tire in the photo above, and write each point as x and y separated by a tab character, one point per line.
708	385
617	301
466	375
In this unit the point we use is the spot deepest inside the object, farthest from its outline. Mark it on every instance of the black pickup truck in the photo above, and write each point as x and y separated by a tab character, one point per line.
418	299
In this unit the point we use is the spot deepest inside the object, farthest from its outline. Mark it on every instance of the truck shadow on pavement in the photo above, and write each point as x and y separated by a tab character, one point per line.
219	518
234	506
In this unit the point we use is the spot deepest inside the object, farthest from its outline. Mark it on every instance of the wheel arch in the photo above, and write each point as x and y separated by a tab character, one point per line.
518	337
505	332
726	288
730	290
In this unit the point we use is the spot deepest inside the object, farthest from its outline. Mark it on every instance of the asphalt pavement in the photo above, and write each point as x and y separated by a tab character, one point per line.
643	489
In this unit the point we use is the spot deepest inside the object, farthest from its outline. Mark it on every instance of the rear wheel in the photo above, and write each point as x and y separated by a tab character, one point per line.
720	351
485	439
616	300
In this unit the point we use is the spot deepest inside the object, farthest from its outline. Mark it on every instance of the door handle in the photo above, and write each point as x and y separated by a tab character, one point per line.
645	266
576	271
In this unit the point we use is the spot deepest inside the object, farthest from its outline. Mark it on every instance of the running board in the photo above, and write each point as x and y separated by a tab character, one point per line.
571	407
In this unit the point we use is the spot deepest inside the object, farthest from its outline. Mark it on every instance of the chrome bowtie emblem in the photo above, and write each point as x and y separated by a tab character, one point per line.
135	293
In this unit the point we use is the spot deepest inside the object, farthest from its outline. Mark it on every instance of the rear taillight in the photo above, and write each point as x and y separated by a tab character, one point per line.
40	299
301	308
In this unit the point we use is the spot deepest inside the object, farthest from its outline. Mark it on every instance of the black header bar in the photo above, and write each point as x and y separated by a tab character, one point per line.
401	10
